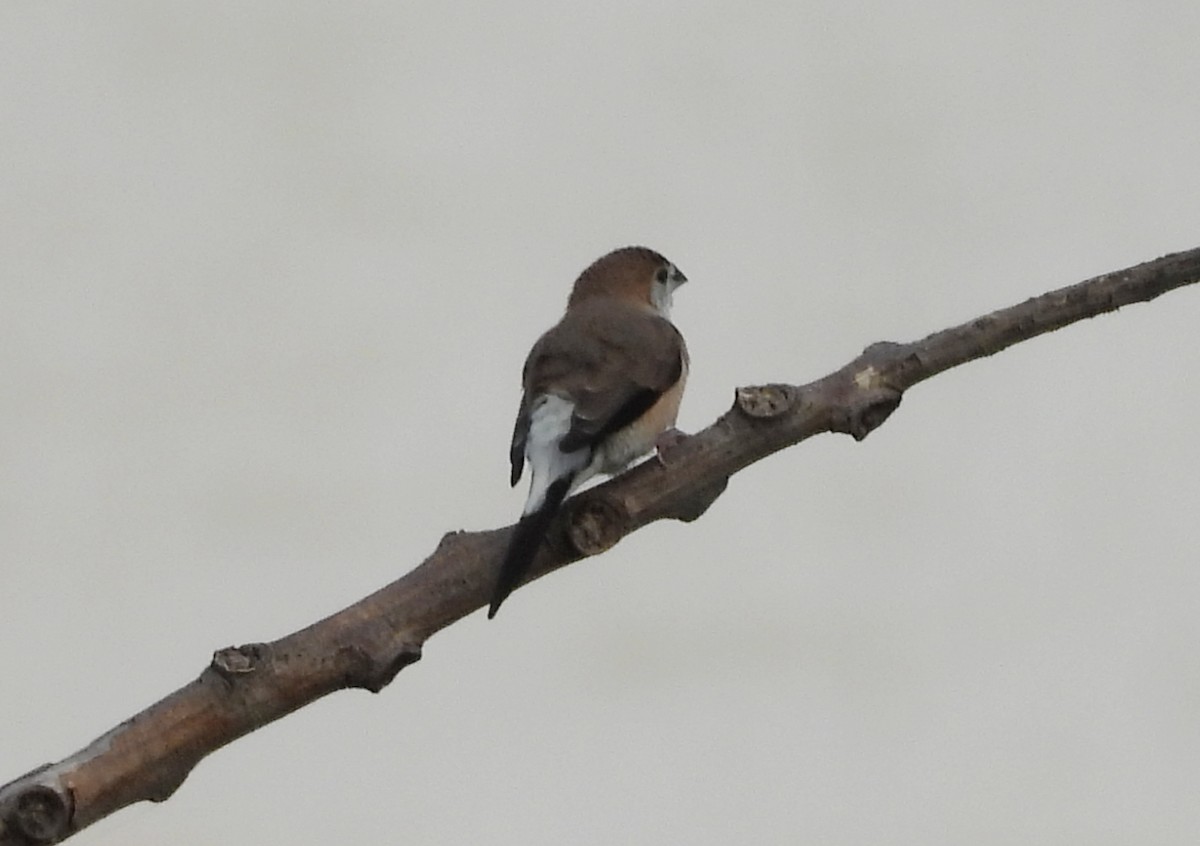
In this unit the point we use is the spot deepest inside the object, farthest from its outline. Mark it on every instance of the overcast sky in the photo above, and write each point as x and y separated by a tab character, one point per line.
270	270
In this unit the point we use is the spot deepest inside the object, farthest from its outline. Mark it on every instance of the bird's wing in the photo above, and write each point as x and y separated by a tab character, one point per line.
516	452
612	361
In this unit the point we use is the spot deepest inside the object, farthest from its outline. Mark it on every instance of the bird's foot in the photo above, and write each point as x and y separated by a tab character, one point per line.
666	443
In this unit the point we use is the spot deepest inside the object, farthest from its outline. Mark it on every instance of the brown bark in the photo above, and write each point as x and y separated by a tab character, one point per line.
366	644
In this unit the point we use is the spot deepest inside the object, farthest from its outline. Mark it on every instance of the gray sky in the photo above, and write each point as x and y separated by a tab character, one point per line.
269	274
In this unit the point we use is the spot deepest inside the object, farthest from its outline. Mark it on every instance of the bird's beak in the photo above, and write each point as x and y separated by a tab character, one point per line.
678	278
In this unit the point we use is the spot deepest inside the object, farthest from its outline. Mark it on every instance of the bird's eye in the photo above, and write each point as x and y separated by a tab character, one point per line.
661	276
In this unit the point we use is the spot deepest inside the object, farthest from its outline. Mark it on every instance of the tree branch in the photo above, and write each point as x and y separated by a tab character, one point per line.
368	643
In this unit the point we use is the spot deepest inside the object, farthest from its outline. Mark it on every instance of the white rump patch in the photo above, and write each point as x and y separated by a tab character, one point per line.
549	422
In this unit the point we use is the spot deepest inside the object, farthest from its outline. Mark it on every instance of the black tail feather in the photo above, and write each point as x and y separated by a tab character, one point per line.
525	542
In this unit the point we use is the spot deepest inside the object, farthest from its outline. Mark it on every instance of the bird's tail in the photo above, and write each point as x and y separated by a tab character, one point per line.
526	540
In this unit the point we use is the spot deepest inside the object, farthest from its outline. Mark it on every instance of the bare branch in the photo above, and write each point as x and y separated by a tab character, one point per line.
366	644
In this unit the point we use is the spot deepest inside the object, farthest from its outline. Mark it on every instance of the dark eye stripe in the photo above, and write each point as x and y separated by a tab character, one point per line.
661	276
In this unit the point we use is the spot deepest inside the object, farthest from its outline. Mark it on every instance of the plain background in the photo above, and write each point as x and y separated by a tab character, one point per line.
269	274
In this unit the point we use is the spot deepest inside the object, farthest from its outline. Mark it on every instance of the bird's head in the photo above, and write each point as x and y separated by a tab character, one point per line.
636	275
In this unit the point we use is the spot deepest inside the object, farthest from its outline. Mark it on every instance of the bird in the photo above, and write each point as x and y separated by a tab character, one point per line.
600	389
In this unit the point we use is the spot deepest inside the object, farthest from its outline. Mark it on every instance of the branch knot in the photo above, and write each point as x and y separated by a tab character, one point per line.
233	661
595	524
40	814
765	401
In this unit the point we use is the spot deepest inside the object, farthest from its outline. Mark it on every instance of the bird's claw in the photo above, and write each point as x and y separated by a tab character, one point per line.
666	443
